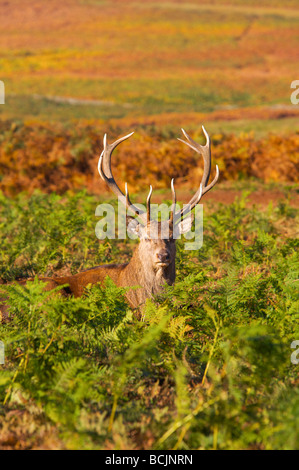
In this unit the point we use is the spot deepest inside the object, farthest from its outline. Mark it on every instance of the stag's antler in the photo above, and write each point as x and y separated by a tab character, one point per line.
104	168
204	187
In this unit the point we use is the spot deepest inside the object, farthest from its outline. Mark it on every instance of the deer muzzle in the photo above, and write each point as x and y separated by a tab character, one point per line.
163	258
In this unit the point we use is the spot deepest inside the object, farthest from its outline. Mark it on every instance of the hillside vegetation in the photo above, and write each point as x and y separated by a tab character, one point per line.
145	58
212	363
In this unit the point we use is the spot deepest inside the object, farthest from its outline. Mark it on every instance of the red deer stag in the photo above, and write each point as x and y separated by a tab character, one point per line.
153	261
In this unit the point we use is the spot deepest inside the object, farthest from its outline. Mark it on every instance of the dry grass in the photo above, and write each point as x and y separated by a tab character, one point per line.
158	58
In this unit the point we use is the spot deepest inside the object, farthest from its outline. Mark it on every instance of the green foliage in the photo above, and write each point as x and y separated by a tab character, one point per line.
41	234
207	367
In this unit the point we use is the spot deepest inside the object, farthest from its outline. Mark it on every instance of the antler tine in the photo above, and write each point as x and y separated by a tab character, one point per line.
205	152
148	205
105	163
127	195
104	168
173	202
192	203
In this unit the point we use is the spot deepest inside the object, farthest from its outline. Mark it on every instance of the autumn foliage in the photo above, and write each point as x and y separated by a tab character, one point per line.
56	158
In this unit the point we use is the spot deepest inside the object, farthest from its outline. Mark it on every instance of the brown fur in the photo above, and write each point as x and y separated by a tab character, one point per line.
151	267
153	262
143	271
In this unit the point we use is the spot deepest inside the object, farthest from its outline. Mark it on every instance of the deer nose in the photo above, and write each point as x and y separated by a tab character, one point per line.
164	256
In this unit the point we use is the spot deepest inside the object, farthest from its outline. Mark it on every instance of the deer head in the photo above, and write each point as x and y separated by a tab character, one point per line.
156	250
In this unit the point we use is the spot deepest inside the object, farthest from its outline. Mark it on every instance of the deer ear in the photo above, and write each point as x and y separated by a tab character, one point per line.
186	224
133	226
